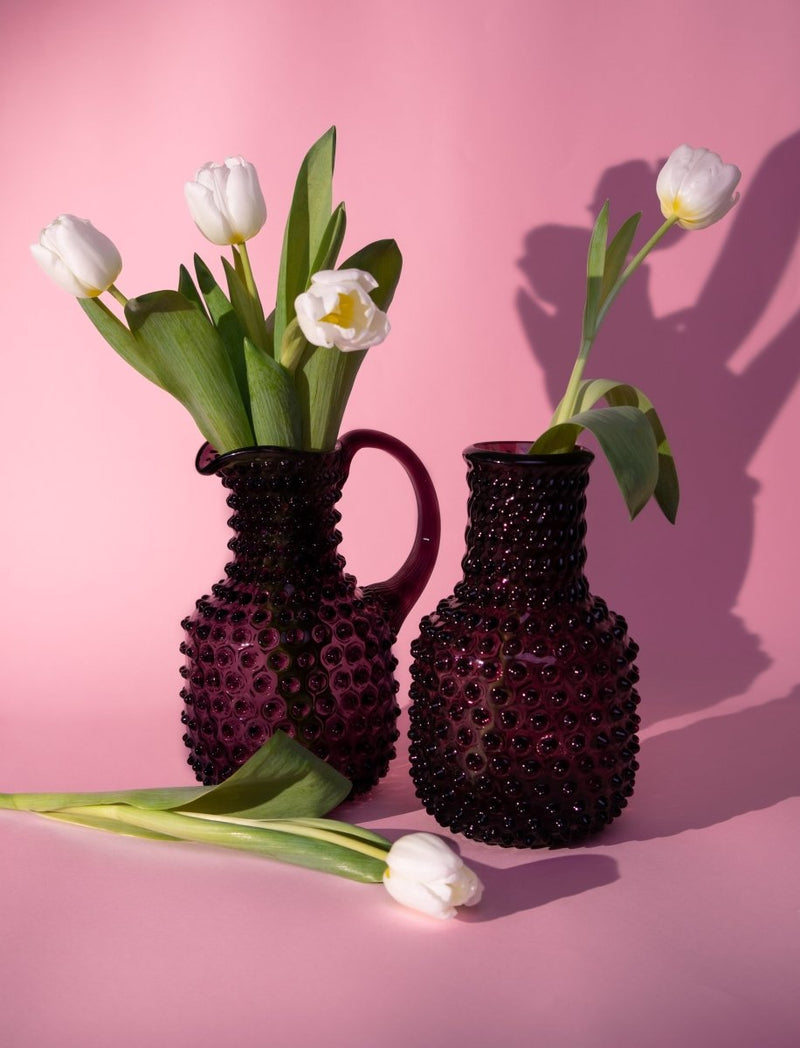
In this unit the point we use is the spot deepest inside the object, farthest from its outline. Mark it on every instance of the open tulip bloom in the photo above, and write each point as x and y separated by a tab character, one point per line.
273	806
247	378
695	189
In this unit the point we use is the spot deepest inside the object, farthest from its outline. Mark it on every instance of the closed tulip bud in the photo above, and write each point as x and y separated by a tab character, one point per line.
226	202
424	873
77	256
697	187
337	311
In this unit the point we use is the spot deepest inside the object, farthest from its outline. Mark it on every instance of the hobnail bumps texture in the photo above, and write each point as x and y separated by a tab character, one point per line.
288	640
523	713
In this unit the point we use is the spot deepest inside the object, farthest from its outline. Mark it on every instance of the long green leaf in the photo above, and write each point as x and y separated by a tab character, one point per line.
595	266
228	324
305	226
617	254
667	490
273	400
193	364
626	439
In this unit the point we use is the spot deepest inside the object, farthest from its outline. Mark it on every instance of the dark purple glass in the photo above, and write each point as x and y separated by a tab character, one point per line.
523	712
288	640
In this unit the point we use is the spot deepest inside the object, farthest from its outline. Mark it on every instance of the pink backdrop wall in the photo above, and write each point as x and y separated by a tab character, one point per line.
483	137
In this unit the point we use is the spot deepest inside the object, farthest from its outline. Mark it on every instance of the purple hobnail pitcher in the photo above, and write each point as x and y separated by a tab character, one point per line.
523	712
288	640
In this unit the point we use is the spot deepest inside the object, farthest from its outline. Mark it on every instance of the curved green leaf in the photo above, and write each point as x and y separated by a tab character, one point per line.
626	439
282	779
667	490
190	359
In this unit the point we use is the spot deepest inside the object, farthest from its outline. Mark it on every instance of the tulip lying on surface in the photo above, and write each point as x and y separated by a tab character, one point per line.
226	202
78	257
696	187
338	311
423	872
273	806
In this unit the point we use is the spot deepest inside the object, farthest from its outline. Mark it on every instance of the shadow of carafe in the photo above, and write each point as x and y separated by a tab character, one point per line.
678	588
713	770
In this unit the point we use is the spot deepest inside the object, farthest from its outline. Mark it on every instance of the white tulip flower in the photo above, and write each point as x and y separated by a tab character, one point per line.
337	311
424	873
697	187
77	256
226	202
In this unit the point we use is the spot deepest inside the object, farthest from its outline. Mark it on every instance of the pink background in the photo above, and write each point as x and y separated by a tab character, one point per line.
483	137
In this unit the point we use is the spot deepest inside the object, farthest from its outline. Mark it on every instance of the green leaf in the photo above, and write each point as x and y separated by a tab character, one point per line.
617	254
626	439
247	310
98	822
595	266
193	364
667	490
384	261
280	780
305	226
331	243
120	339
227	323
188	289
325	377
273	400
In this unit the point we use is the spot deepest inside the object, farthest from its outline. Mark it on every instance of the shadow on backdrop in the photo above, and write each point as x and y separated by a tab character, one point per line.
678	588
712	771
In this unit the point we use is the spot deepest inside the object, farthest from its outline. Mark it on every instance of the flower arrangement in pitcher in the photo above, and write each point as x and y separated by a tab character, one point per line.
247	378
695	189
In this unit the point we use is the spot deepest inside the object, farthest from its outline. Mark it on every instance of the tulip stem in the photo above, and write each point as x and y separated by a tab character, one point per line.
566	409
114	291
247	269
632	266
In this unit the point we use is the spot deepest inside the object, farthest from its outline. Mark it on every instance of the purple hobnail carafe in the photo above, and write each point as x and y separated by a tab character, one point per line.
288	640
523	699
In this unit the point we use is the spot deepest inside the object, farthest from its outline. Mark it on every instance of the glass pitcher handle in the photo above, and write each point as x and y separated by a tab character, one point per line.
400	592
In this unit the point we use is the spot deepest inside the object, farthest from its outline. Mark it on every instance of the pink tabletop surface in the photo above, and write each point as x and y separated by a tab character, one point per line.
484	137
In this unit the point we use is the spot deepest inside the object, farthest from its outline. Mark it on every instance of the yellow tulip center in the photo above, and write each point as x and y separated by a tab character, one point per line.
344	314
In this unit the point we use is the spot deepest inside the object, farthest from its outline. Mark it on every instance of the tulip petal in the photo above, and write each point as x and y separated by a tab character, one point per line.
695	186
82	260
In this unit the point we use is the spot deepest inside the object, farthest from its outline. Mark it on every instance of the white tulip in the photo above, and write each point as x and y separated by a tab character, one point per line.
424	873
77	256
697	187
338	311
226	202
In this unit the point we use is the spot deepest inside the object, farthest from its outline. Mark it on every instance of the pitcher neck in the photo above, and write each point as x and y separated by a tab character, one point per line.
284	515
